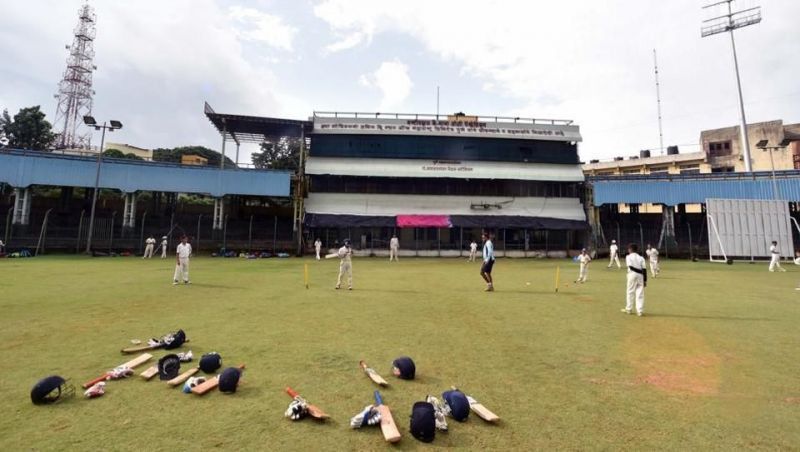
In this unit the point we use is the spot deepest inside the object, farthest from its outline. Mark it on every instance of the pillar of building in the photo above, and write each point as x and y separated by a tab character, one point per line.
129	212
22	206
219	213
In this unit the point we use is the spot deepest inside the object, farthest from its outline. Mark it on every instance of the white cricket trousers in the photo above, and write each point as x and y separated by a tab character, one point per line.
472	256
635	291
317	253
393	254
583	273
654	268
148	251
163	252
182	269
345	268
614	258
775	262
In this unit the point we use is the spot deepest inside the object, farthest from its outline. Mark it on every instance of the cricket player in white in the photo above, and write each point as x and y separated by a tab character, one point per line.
584	260
394	245
164	247
473	251
613	254
318	246
345	265
637	281
652	254
150	243
182	253
775	261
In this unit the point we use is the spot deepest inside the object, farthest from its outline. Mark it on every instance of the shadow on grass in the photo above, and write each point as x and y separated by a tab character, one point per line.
211	286
709	317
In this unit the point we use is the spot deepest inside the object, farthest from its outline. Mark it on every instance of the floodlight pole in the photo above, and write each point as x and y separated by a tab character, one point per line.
734	21
96	185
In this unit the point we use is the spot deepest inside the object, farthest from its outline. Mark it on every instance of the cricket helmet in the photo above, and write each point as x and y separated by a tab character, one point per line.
229	379
50	390
347	243
404	368
174	340
423	422
169	367
458	404
210	362
164	238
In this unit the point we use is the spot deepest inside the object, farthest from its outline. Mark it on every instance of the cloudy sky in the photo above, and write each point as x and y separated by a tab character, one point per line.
590	61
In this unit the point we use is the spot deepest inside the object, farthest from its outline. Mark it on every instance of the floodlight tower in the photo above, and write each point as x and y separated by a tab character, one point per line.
727	23
75	91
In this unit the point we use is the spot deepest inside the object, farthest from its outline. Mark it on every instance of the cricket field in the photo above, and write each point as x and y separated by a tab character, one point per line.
714	364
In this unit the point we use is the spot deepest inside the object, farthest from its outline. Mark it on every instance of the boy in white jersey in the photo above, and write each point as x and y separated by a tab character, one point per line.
652	254
345	265
164	244
473	251
318	246
182	253
775	261
394	246
637	281
613	254
584	260
150	243
488	262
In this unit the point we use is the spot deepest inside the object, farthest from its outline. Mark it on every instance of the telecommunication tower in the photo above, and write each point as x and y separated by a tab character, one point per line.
75	89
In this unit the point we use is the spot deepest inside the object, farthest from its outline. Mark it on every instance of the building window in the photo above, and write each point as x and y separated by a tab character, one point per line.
719	148
659	170
690	169
631	171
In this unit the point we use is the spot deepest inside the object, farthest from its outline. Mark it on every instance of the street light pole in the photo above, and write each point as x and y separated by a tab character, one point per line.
113	125
764	145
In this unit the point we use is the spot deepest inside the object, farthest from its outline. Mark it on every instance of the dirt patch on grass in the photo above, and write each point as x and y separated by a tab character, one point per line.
792	400
672	358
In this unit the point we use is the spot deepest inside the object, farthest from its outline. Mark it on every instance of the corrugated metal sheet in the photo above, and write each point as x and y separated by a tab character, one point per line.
22	169
692	191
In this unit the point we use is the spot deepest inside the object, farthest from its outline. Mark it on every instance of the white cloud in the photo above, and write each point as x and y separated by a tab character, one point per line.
262	27
592	62
392	79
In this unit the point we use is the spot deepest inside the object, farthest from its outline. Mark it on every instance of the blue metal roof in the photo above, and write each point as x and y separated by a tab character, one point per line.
24	168
694	189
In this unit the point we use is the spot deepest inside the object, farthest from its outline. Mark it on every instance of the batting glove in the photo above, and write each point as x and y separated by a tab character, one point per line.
120	372
298	409
95	391
367	417
440	411
185	357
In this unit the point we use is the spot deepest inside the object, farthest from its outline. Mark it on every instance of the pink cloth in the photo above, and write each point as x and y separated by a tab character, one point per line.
423	221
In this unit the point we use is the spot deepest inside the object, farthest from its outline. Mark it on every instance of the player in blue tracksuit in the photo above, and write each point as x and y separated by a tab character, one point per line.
488	261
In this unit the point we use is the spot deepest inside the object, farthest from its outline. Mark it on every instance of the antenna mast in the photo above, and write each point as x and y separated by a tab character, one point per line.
658	100
75	91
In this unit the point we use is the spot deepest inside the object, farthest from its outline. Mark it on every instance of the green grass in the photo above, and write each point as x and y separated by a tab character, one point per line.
714	365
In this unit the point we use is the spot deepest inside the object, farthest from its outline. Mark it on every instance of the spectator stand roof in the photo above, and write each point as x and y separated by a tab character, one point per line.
255	129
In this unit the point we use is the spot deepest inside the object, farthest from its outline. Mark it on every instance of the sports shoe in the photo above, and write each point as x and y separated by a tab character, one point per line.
187	282
350	288
640	314
625	311
174	283
337	287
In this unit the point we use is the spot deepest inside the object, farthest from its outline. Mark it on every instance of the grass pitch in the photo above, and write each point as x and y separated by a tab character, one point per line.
713	365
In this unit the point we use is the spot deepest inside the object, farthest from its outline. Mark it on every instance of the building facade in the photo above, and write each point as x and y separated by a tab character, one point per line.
438	181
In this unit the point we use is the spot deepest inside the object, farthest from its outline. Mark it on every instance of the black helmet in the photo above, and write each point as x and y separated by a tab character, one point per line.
347	243
229	379
458	403
210	362
423	422
404	368
169	367
174	340
50	390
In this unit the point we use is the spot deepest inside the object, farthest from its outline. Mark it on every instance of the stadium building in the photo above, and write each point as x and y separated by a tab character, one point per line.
437	181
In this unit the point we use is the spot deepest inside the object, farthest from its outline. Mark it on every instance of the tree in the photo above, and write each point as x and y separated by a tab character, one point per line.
283	154
117	154
29	130
174	155
5	121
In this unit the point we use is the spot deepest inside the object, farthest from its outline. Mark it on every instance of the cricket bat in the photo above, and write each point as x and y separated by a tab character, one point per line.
143	348
331	256
315	411
183	377
372	374
141	359
388	427
210	384
480	410
151	372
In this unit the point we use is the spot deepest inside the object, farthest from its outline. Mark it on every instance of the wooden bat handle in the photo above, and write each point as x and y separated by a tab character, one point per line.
363	365
91	383
291	392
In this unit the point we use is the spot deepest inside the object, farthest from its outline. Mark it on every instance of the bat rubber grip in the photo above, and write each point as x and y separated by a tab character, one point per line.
91	383
291	392
378	398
